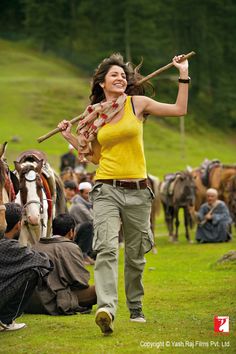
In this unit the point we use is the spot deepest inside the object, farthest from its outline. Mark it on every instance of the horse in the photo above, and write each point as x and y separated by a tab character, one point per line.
177	191
41	195
153	183
200	188
218	176
228	186
9	186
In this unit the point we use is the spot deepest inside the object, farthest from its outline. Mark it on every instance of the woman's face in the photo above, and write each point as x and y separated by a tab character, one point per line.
115	81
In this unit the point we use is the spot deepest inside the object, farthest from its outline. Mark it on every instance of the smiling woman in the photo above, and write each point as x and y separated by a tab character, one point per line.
121	195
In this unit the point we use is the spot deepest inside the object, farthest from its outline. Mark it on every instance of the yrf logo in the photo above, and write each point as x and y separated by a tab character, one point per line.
221	324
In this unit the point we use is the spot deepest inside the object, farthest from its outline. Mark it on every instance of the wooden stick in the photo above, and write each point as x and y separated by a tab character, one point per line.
148	77
56	130
163	68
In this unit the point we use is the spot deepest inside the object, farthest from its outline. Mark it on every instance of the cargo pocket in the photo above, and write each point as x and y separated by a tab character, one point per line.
147	241
96	190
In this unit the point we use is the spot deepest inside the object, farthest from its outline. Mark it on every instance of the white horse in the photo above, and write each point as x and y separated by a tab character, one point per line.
39	194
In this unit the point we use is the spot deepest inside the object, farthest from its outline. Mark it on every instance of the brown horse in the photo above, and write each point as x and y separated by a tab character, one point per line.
178	192
228	186
221	177
9	186
200	189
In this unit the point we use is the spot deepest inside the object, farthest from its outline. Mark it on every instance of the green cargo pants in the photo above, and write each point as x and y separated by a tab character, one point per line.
113	206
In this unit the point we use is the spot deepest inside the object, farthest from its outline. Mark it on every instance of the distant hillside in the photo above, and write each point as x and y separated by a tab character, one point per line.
37	91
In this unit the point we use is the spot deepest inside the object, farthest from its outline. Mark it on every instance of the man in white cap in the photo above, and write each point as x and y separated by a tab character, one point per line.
213	219
82	212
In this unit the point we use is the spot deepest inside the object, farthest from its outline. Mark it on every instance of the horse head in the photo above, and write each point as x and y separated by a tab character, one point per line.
31	195
184	189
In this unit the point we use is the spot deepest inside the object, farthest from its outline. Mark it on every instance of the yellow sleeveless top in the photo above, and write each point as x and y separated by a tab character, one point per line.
122	151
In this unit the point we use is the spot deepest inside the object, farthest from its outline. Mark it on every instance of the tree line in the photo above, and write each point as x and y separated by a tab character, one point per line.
85	31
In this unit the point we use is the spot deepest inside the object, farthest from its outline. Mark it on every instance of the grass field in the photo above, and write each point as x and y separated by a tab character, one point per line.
184	289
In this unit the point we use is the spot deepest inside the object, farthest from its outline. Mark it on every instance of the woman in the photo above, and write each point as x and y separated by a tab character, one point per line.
120	194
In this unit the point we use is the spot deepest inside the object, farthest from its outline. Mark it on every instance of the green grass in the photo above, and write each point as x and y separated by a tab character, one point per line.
184	289
183	293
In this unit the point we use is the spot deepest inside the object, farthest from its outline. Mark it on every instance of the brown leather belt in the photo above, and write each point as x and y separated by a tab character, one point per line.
125	184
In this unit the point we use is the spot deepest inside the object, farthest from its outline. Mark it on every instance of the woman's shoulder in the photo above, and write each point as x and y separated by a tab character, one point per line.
139	104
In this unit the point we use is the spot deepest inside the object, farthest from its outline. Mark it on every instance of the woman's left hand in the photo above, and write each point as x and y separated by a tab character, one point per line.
181	65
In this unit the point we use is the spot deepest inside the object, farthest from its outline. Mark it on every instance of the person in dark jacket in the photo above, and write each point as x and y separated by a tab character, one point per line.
213	220
20	270
68	159
67	290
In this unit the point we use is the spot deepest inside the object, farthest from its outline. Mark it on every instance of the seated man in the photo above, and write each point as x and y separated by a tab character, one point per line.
67	290
20	269
82	212
213	220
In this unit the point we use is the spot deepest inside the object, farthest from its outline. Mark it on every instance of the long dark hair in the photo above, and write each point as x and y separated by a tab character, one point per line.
132	77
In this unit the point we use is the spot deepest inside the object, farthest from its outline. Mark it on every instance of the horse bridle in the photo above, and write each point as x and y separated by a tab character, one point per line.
32	202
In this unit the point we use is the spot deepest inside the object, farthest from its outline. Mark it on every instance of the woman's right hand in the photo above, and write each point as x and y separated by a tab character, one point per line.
65	128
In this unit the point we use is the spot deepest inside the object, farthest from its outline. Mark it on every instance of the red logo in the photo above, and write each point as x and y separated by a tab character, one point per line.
221	324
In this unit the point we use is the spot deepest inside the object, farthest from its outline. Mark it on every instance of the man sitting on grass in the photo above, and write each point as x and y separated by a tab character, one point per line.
20	270
67	290
213	220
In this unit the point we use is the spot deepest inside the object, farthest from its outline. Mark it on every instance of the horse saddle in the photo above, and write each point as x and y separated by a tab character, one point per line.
167	187
206	168
31	155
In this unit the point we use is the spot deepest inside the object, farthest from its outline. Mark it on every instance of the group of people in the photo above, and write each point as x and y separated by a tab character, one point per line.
110	134
49	278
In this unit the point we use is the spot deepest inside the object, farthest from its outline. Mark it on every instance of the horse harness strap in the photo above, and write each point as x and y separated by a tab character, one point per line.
34	202
25	217
48	195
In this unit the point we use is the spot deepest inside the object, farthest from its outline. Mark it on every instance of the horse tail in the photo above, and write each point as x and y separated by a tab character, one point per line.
156	190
